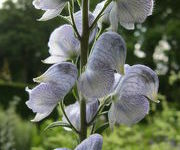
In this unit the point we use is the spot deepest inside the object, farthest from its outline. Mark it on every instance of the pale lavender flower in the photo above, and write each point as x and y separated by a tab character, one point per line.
55	83
63	44
126	12
73	113
52	8
130	103
93	142
109	54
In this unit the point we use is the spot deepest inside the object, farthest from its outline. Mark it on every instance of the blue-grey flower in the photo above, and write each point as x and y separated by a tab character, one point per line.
130	101
126	12
93	142
109	54
55	83
52	8
61	149
73	113
63	45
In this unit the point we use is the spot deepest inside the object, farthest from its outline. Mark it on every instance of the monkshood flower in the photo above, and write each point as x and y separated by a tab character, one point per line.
130	100
73	113
108	55
52	8
55	83
93	142
63	45
126	12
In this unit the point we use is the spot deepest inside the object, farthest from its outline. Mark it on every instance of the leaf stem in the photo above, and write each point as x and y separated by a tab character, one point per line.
100	14
64	112
71	11
84	54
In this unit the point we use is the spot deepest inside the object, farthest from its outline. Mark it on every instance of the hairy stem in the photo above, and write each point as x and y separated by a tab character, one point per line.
84	53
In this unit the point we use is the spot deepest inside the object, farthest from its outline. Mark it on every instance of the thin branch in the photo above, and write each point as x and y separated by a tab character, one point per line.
100	14
62	108
71	11
101	107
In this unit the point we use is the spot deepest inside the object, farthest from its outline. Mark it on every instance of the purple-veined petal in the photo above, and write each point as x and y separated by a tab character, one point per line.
133	11
73	113
52	7
43	99
130	104
140	80
93	142
56	82
63	75
109	49
96	83
63	45
130	109
109	54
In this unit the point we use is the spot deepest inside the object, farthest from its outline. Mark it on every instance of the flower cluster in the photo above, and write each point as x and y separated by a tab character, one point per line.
106	78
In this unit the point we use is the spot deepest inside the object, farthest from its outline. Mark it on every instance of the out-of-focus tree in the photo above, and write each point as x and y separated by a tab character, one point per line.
23	40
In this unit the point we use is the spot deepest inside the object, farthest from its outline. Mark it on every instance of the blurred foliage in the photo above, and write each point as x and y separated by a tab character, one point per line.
160	132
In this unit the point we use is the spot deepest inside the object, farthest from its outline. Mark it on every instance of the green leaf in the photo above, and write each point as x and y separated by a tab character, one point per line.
57	124
102	128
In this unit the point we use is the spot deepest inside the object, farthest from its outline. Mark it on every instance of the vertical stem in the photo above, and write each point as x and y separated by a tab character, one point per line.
85	33
84	54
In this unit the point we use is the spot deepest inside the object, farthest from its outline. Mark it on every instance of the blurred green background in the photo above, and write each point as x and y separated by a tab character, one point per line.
23	44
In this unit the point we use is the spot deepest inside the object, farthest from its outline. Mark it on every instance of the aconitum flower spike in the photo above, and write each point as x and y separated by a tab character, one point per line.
52	8
93	142
63	44
109	54
73	113
130	101
55	83
126	12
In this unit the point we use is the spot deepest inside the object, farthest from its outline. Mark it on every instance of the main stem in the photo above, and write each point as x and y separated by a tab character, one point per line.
84	54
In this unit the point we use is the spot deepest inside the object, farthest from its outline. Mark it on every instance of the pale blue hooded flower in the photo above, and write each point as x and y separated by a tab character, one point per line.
108	55
93	142
125	12
52	8
73	113
63	44
130	100
55	83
